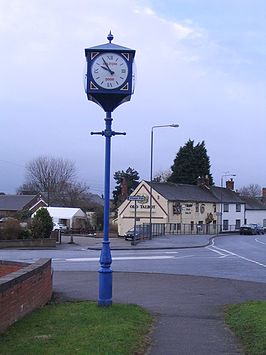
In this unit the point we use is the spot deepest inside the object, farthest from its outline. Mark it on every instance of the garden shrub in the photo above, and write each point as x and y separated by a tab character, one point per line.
24	234
10	229
42	224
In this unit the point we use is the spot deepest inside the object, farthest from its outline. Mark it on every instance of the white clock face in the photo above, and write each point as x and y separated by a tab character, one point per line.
109	70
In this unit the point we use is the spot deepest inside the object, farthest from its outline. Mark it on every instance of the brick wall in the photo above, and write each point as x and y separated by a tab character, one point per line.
23	290
6	267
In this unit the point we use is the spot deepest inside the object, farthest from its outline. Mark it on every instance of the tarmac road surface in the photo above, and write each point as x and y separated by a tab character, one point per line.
188	309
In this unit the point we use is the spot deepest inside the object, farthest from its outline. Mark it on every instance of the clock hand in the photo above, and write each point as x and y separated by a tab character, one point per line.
105	63
105	68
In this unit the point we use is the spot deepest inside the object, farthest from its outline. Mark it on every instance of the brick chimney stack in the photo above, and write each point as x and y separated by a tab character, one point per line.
124	188
230	184
203	181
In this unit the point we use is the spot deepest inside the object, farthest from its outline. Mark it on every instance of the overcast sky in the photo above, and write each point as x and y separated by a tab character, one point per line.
200	63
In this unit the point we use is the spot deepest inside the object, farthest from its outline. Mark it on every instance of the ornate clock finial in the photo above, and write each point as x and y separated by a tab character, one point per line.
110	37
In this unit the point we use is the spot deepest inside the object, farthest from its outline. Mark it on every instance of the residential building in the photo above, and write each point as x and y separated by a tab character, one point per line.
11	205
255	211
71	217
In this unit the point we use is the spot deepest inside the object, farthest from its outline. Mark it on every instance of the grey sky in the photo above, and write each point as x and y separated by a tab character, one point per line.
200	63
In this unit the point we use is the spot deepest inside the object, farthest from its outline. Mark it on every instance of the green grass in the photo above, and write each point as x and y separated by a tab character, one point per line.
79	328
248	322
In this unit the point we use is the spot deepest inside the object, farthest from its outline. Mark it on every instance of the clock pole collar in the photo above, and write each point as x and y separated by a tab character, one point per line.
110	37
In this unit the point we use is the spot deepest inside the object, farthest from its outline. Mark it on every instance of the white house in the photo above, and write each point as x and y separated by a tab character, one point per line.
255	211
71	217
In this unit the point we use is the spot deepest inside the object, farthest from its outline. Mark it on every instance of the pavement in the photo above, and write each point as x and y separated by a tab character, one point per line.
188	310
119	243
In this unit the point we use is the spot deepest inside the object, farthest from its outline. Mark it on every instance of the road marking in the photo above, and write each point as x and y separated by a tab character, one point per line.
259	241
239	256
159	257
222	255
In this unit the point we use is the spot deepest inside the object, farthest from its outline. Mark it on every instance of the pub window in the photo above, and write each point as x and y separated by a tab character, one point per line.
214	207
238	207
197	207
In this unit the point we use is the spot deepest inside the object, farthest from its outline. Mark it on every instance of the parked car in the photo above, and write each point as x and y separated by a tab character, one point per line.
251	229
59	226
260	229
130	233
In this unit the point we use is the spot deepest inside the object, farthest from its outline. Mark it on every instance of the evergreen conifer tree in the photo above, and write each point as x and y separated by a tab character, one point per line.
126	182
190	163
42	224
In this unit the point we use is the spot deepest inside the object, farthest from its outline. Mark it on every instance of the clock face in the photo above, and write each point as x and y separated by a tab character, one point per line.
109	70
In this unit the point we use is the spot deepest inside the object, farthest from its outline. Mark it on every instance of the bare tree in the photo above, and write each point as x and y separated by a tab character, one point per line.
54	176
162	176
251	190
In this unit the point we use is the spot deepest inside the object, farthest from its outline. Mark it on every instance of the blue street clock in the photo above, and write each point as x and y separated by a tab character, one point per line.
109	79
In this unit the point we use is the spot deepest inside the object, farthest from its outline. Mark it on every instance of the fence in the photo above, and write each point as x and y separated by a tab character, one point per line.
187	229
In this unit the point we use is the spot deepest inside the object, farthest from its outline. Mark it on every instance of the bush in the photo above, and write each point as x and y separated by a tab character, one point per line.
42	224
24	234
10	229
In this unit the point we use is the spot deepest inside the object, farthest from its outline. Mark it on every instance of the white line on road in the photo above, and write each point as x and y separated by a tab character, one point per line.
239	256
259	241
222	255
159	257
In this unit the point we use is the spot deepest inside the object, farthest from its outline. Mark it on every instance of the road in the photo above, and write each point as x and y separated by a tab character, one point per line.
232	257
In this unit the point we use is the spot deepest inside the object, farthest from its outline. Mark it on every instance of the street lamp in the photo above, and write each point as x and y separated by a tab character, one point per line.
226	174
172	125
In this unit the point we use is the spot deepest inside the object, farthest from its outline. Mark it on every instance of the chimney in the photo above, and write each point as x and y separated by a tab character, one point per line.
207	181
124	188
203	181
200	181
230	184
264	192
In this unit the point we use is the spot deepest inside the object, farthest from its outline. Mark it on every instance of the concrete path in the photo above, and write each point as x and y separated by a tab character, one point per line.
188	309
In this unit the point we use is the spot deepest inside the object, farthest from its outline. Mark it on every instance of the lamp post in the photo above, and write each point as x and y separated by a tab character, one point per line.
172	125
226	174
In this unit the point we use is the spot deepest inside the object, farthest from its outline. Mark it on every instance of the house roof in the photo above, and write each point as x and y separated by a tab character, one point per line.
65	212
183	192
253	203
14	202
186	192
226	195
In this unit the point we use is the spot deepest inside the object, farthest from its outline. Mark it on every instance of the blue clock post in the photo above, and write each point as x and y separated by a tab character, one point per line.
109	82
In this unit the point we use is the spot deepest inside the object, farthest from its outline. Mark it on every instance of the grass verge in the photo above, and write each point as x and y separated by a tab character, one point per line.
79	328
248	322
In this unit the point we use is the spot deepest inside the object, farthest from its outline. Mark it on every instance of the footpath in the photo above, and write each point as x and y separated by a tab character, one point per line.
188	309
161	242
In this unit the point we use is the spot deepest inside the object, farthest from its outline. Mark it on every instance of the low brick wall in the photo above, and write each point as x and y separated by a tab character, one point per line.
23	290
28	243
6	267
